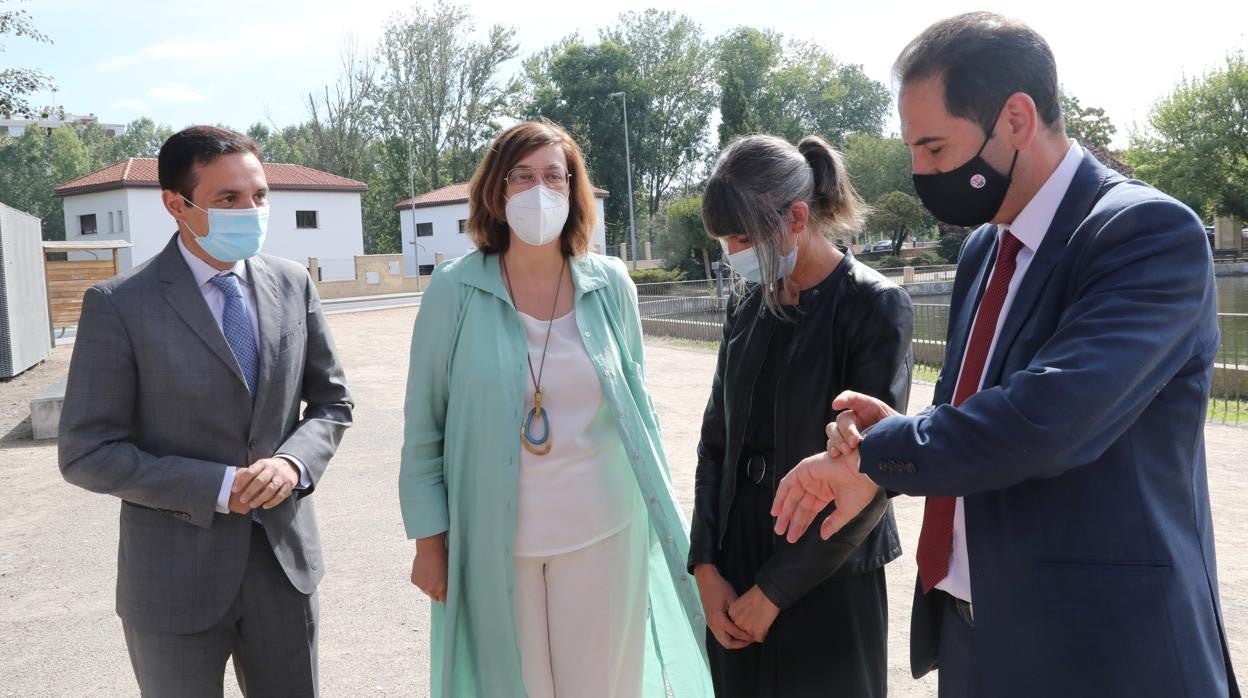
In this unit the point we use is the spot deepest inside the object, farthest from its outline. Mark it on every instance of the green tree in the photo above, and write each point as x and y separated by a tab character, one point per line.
745	58
682	239
142	139
878	166
1088	125
794	91
17	84
898	215
33	165
570	88
675	90
951	239
1197	149
440	90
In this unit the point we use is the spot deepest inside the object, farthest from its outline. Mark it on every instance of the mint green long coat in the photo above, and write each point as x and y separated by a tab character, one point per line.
460	469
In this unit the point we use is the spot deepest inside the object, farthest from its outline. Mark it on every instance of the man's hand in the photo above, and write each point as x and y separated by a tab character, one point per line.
812	485
236	505
264	484
429	567
861	413
717	596
754	613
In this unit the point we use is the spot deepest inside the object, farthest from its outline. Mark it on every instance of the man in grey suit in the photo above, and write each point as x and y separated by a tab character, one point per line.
184	400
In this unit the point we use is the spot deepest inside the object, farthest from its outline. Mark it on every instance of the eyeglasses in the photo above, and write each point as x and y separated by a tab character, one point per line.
523	178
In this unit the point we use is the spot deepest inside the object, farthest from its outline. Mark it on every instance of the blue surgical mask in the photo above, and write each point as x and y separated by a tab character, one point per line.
745	262
234	234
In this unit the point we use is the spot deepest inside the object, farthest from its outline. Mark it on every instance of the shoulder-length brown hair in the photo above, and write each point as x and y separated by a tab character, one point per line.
487	191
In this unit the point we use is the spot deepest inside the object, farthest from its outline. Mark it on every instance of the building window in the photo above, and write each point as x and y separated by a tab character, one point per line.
305	219
424	230
463	226
112	226
121	227
86	224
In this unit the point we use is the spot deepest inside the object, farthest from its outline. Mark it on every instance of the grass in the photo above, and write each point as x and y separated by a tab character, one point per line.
924	373
697	344
1226	411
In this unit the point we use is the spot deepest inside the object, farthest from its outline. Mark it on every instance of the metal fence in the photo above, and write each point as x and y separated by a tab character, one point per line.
920	275
693	310
690	310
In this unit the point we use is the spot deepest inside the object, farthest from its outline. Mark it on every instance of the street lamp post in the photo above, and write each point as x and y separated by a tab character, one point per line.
411	175
628	165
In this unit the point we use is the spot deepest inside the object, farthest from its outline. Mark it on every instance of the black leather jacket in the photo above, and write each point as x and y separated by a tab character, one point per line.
857	339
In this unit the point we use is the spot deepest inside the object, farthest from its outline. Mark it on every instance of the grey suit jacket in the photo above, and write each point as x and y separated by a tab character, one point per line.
156	409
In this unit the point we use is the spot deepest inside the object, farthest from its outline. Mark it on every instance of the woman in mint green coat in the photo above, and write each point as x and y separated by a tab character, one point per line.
533	478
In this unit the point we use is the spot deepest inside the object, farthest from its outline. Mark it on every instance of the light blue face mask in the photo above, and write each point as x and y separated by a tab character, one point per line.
234	234
745	262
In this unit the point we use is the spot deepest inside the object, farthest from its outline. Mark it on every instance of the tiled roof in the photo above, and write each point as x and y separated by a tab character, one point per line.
141	172
454	194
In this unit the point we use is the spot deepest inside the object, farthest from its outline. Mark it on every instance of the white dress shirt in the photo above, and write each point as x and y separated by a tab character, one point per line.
204	273
1029	227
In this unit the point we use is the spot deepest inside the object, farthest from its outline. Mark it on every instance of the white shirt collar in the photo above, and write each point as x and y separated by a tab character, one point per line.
203	271
1033	221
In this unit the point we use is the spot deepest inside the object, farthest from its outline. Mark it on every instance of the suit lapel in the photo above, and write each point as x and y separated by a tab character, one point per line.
1080	196
269	319
184	296
963	315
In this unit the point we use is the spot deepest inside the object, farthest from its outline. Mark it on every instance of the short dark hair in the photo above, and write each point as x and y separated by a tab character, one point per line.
983	58
197	145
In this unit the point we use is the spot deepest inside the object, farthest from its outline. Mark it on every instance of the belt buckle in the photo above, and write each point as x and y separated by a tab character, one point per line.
760	468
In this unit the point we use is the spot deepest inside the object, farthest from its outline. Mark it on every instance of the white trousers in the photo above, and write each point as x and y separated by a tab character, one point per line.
581	618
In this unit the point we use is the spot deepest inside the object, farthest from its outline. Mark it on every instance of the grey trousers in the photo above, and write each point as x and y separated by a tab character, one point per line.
270	630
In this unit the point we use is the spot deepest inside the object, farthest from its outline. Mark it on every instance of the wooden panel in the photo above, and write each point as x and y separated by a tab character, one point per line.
75	271
68	280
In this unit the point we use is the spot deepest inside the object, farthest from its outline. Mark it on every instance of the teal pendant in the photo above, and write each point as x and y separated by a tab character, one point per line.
538	446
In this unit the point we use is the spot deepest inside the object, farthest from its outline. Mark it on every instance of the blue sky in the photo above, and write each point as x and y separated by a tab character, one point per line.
183	62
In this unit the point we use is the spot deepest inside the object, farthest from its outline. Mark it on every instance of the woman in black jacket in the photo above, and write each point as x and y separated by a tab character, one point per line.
810	618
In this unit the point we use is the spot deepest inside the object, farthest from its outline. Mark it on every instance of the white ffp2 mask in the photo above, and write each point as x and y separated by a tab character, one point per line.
537	215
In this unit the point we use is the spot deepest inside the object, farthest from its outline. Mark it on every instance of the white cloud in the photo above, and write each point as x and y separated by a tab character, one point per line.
175	94
134	105
166	51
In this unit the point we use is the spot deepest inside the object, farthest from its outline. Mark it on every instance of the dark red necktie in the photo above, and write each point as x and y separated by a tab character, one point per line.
936	537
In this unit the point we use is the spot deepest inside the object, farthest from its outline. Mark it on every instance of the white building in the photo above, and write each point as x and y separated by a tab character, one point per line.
312	213
16	126
433	223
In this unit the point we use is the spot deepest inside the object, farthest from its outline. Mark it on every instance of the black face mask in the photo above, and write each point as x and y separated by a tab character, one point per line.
969	195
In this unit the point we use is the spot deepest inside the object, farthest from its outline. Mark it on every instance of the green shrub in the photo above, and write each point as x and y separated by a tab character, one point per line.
889	262
656	276
925	259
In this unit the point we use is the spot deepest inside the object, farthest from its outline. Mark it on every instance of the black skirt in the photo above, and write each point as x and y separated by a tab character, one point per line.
833	642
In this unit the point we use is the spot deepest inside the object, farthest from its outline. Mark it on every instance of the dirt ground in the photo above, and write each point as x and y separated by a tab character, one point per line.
59	635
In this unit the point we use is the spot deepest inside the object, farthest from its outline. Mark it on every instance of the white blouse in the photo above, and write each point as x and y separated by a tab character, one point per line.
582	491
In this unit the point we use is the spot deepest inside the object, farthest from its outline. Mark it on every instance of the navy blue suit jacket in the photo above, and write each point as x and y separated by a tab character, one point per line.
1082	460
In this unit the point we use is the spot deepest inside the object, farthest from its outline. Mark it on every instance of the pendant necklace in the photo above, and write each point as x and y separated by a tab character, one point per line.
537	445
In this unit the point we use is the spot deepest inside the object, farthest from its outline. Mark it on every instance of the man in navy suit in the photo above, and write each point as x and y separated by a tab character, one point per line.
1067	543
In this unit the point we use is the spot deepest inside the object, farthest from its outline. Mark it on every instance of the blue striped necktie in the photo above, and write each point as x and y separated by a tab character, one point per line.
238	330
